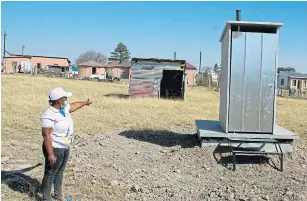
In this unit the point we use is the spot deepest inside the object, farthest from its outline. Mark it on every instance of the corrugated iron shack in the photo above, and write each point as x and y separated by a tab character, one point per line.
157	78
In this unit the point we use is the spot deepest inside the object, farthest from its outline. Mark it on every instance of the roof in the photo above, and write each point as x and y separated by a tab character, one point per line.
56	66
158	60
190	66
115	64
250	24
90	63
29	56
111	64
294	74
126	64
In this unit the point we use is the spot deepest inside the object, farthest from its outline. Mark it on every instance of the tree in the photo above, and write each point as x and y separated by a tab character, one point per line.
216	67
289	69
91	55
120	54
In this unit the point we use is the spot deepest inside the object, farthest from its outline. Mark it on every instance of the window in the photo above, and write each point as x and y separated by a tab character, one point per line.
294	83
93	70
282	82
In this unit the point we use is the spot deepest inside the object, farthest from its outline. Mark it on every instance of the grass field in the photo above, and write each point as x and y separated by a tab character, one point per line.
24	98
109	148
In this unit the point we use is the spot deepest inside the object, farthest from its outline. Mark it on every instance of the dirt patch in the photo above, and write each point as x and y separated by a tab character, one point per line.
156	165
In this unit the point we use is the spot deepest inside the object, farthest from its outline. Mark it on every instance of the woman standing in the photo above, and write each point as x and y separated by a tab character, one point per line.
57	130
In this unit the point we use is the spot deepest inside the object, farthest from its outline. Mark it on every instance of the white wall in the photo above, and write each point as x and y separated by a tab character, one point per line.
284	76
214	76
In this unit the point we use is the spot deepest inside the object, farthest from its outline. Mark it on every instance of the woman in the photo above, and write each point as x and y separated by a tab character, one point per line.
57	130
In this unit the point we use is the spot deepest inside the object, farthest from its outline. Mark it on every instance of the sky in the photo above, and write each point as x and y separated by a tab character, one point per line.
149	29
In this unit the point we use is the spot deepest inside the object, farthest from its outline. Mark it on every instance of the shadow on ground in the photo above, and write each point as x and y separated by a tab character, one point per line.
121	96
163	138
222	156
18	181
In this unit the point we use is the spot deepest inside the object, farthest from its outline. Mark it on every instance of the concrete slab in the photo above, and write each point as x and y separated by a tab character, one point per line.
212	129
211	134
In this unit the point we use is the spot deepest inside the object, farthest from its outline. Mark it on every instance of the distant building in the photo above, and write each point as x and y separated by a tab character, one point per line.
116	69
11	63
191	74
90	68
93	68
291	80
215	75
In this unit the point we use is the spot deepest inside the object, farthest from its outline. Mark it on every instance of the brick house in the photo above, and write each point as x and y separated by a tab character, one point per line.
90	68
12	62
191	74
122	70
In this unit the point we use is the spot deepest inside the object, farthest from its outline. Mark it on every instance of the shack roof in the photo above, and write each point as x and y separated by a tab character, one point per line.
250	24
158	60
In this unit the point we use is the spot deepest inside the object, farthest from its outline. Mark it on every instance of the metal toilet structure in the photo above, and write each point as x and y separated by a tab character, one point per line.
248	83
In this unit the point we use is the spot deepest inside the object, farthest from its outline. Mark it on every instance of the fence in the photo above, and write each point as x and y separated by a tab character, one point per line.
292	93
205	79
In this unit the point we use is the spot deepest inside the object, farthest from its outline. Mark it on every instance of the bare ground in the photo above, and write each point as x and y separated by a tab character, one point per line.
152	165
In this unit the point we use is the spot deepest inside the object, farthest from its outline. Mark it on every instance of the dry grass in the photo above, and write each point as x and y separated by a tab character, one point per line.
24	98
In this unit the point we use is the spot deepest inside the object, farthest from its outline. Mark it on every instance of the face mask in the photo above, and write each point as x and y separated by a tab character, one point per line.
64	105
62	110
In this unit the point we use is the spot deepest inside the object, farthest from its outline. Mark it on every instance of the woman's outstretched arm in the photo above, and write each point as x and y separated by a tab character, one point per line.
78	105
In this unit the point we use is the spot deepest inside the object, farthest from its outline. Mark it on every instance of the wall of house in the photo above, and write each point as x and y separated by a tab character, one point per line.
100	71
191	73
84	71
297	83
44	62
282	76
8	63
117	71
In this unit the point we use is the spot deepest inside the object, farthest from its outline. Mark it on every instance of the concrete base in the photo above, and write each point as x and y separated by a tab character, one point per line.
211	134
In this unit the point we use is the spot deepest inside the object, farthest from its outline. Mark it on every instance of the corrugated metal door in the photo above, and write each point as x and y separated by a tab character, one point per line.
236	82
252	79
268	76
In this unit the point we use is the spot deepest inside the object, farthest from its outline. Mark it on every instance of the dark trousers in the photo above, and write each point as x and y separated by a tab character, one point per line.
54	174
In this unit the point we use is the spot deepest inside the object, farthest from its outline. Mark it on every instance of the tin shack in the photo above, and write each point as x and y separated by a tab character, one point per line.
158	78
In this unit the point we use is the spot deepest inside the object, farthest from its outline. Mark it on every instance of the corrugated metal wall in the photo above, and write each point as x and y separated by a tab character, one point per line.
145	80
145	83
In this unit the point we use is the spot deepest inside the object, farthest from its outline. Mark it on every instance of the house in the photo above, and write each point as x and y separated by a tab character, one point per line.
12	62
291	80
191	74
90	68
119	69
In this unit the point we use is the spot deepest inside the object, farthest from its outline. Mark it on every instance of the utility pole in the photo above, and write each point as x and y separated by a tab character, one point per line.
174	55
4	35
23	47
199	62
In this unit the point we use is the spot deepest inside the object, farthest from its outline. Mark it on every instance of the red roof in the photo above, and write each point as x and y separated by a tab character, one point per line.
111	64
115	64
190	66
